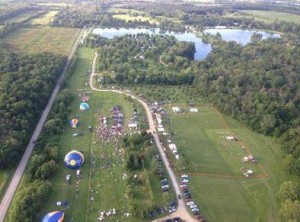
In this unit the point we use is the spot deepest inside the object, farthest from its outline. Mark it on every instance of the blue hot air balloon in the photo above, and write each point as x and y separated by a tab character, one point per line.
54	216
84	106
74	159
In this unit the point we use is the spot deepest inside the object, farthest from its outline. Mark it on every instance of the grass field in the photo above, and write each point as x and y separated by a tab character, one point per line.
44	19
105	185
43	39
271	16
217	183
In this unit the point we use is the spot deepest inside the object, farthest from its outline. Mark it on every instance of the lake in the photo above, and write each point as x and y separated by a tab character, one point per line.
240	36
202	49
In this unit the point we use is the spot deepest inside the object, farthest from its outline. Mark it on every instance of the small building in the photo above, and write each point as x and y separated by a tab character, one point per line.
161	129
132	125
194	110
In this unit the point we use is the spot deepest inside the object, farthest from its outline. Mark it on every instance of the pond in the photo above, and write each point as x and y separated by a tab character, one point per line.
202	49
240	36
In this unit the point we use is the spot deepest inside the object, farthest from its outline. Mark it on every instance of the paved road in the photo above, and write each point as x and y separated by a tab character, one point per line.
181	210
21	167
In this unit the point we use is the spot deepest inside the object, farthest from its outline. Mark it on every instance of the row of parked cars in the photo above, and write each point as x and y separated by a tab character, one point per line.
184	180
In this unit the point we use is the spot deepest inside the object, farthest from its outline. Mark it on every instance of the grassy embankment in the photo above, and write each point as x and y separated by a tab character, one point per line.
215	165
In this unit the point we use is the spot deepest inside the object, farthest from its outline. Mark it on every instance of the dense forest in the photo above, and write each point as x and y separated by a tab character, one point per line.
26	84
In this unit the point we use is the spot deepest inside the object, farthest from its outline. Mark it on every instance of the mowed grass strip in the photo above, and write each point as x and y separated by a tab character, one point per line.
43	39
4	178
44	19
222	200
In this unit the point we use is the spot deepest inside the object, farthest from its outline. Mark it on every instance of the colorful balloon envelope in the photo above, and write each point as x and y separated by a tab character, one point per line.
84	106
74	159
74	123
55	216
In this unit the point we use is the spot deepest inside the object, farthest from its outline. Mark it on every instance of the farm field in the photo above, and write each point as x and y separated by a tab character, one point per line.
272	16
44	19
43	39
216	169
103	185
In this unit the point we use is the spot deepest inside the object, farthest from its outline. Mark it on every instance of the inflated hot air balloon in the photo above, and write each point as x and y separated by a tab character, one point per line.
54	216
74	123
84	106
74	159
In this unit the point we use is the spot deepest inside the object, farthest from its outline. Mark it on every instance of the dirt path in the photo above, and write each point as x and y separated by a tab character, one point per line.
162	61
22	164
181	210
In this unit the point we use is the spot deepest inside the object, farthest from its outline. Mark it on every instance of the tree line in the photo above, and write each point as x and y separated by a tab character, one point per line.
36	188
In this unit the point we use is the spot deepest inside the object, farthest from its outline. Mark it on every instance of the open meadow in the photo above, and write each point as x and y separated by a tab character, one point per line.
271	16
43	39
45	19
214	163
102	185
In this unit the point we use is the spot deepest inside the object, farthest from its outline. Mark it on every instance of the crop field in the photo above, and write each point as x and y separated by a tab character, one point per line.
272	16
216	168
43	39
103	182
44	19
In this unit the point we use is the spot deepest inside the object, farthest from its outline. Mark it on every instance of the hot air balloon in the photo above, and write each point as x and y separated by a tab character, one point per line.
74	159
74	123
54	216
84	106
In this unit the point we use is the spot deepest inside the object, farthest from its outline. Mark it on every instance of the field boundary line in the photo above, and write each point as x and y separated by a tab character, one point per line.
224	123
